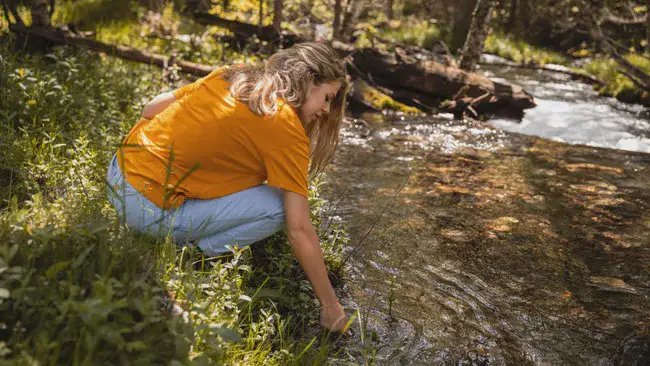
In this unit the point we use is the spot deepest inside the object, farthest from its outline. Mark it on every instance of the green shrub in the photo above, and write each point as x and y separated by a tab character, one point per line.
616	83
413	31
522	52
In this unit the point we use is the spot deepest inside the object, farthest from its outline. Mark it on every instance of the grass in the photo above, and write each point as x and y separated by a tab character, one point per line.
76	287
522	52
617	84
164	33
412	31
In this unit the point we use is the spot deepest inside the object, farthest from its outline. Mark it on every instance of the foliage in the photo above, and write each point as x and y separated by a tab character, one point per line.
616	83
166	32
412	31
76	287
522	52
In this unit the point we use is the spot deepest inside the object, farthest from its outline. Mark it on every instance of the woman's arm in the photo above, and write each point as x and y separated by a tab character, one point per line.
158	104
306	248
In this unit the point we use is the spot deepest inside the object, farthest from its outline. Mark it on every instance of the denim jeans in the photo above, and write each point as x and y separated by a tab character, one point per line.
240	218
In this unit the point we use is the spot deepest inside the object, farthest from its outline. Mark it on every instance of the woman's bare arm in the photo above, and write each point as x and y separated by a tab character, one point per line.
158	104
306	248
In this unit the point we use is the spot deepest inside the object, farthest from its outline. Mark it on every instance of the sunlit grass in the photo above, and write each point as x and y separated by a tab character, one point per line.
412	31
616	83
522	52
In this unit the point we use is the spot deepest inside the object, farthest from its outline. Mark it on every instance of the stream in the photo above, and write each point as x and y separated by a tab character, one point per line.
498	247
572	112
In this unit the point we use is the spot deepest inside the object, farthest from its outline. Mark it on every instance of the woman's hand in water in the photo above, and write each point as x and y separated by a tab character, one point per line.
333	317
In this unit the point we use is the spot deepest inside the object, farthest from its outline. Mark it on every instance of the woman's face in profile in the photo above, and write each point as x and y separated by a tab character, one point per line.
318	101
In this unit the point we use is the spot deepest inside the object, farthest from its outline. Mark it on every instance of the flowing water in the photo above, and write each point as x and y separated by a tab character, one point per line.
573	112
494	248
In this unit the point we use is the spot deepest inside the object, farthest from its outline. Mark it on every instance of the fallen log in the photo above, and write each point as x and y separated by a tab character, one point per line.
372	98
60	37
575	75
432	80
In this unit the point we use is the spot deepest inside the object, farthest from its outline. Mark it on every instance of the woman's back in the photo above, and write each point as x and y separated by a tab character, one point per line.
206	144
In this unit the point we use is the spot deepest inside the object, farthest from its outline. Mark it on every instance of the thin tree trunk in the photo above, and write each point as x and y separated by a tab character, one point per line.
525	8
277	14
336	25
512	18
461	23
477	33
351	15
389	9
40	13
261	13
647	20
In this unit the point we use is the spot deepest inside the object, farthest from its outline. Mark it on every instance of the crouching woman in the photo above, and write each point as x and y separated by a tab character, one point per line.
225	160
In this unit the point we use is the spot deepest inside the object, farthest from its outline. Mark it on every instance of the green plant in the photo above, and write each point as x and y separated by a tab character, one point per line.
522	52
616	83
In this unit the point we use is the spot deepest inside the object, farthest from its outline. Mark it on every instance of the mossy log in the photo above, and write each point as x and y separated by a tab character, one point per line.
370	97
434	81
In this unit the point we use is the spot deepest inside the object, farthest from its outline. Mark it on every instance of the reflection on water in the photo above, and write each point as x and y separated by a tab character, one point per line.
500	249
570	111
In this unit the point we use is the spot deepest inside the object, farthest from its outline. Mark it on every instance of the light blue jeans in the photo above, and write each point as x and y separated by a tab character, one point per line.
241	218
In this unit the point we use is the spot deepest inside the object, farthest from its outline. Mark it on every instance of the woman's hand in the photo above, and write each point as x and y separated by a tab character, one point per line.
333	317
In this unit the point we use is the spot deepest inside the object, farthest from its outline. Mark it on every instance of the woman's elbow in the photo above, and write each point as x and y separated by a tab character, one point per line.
147	112
295	230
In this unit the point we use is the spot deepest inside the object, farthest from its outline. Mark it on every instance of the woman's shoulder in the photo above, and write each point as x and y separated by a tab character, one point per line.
286	119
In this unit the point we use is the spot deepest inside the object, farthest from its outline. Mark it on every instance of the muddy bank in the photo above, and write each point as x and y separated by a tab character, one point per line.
501	248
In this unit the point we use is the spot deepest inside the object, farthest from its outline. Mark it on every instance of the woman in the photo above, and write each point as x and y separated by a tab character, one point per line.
194	166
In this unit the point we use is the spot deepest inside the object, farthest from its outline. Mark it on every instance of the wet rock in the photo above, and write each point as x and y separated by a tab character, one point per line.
633	351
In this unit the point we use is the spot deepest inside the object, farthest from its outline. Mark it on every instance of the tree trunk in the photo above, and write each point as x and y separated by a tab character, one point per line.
277	14
389	9
477	34
461	24
512	18
261	14
40	13
198	5
336	25
351	15
647	31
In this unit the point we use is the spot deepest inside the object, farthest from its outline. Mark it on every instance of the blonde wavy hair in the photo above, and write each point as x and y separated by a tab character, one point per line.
286	75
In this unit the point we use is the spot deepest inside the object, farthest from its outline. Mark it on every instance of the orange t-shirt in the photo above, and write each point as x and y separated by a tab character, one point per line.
206	144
